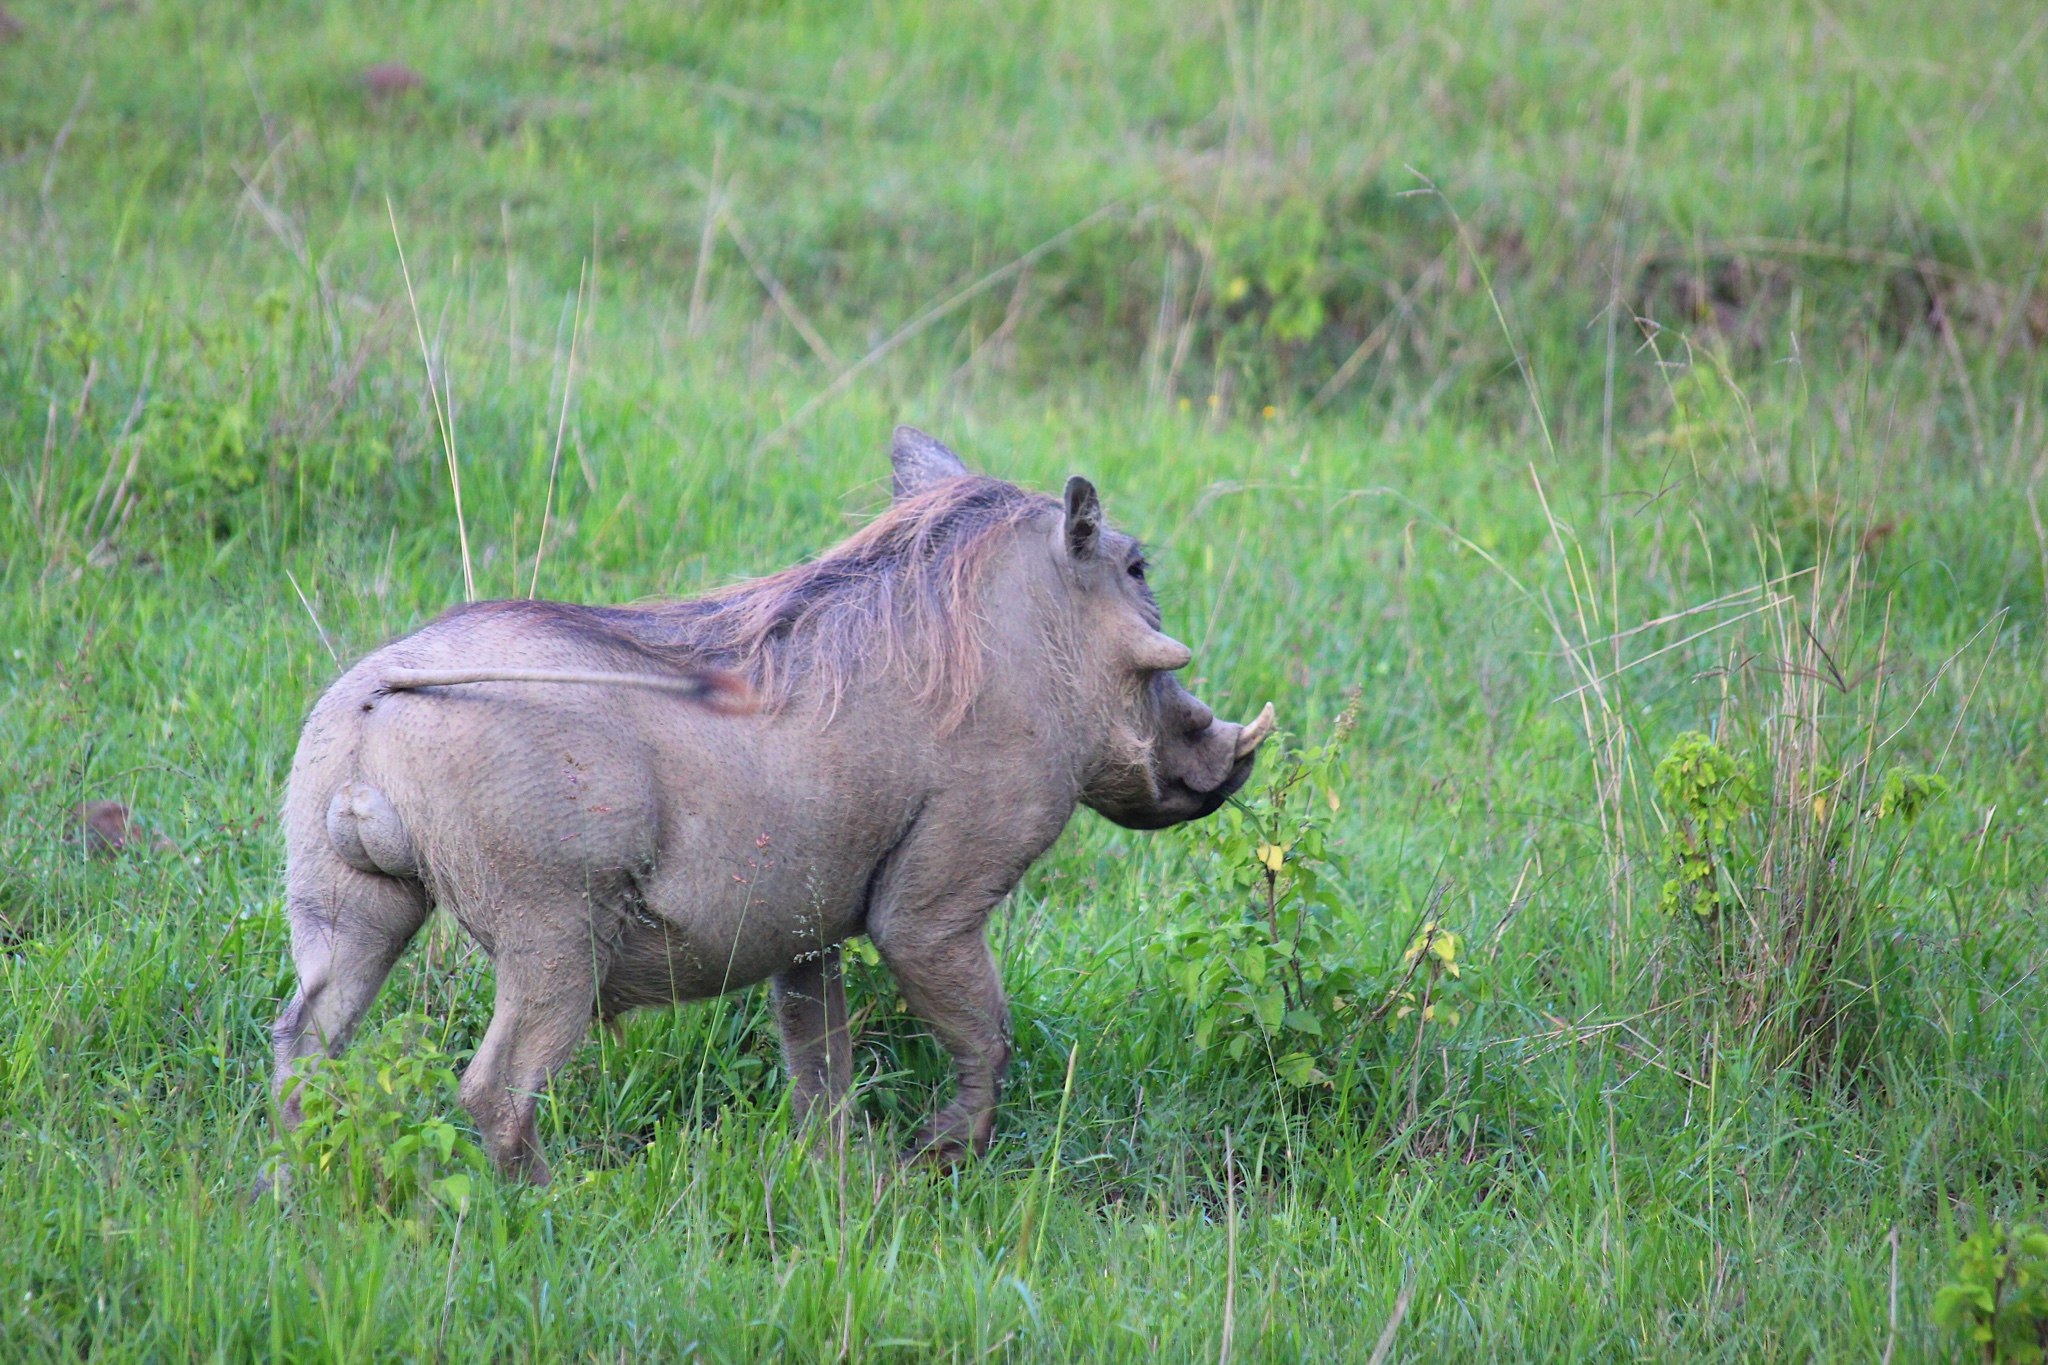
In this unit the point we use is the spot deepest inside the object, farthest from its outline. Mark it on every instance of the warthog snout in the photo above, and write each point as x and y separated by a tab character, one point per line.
1243	740
1241	744
1196	762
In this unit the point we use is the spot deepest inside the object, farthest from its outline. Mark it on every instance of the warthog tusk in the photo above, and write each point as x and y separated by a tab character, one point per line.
720	691
1253	735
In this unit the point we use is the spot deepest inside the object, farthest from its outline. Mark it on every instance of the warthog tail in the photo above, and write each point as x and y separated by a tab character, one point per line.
706	687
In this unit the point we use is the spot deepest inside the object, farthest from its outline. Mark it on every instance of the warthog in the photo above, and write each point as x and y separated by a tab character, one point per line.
927	703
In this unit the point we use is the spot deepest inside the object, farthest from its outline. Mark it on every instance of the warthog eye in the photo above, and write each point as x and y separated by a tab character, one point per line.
1137	570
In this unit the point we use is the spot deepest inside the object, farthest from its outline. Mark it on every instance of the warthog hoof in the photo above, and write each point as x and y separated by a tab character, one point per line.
945	1145
272	1180
942	1155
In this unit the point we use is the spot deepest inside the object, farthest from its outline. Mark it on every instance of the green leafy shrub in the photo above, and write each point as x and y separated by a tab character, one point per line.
1998	1300
373	1128
1254	949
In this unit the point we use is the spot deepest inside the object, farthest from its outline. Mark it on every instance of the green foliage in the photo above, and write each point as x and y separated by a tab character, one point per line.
1808	963
212	454
1705	791
1275	275
1257	950
1998	1301
1907	792
373	1130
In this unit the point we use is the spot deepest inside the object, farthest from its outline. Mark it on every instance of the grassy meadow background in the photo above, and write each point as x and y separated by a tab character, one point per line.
1554	379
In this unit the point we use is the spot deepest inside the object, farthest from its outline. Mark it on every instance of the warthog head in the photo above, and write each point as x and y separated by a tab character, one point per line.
1164	757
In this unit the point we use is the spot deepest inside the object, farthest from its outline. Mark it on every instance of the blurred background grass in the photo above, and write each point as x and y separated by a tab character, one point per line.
1432	347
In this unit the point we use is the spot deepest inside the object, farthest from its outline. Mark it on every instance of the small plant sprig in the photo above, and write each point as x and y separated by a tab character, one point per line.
1998	1300
1707	790
372	1127
1432	955
1435	950
1906	792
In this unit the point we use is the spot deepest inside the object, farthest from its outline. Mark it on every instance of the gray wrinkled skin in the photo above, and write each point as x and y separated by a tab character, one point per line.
614	847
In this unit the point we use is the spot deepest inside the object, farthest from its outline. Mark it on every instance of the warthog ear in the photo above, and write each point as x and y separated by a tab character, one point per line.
920	462
1084	518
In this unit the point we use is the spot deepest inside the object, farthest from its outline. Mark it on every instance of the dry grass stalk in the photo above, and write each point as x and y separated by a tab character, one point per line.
442	417
547	507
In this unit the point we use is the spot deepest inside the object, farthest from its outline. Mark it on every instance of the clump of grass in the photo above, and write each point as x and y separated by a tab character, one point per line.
1785	839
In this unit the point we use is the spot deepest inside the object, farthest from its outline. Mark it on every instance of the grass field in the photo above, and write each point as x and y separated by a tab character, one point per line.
1544	382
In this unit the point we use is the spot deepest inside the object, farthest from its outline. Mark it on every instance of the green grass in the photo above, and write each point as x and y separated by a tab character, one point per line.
1614	1156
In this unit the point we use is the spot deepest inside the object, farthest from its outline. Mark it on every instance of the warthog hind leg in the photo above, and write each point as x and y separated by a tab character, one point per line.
810	1004
348	928
543	1010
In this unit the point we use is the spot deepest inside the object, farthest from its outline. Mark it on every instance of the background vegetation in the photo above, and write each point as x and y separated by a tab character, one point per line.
1609	432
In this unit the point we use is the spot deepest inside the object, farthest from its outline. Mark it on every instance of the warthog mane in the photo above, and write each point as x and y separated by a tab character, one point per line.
901	592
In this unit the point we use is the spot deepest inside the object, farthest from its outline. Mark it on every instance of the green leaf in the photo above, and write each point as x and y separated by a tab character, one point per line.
1302	1021
1271	1005
1299	1069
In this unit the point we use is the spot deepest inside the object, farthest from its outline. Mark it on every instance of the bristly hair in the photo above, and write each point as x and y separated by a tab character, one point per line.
901	591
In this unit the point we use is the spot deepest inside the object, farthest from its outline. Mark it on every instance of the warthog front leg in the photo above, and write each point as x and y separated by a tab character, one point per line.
942	963
810	1004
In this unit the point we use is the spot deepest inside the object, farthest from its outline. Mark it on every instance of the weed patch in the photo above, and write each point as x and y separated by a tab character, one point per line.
373	1129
